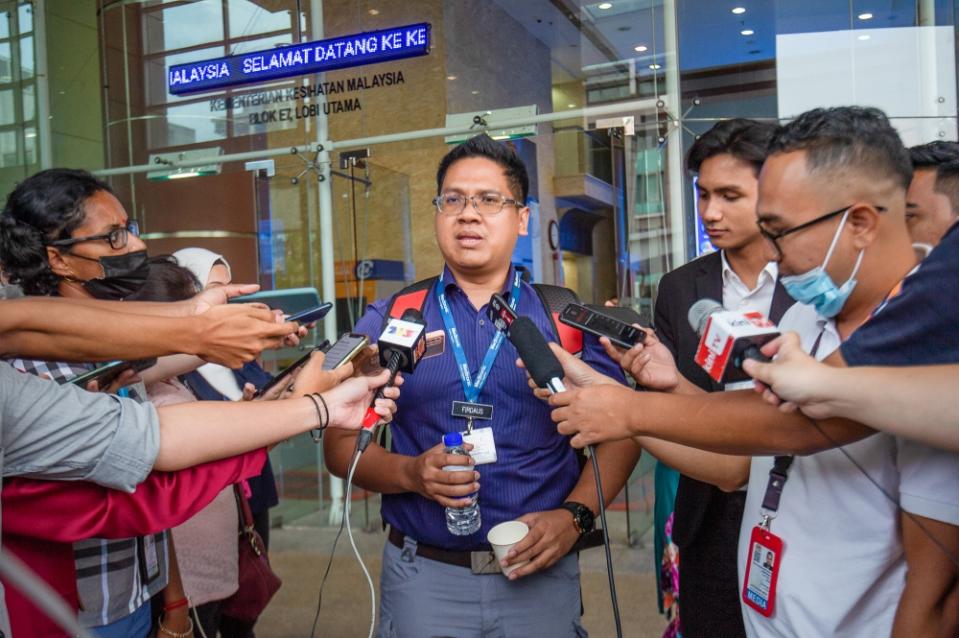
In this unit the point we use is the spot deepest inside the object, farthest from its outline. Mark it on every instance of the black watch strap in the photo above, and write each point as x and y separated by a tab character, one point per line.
583	517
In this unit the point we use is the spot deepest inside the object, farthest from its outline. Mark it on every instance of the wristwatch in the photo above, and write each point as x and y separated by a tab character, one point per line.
583	518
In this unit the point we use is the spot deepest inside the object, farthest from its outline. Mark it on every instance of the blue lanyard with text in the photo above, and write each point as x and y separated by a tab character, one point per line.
472	388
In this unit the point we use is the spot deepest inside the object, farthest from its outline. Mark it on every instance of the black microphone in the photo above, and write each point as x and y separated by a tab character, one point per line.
540	362
401	346
727	338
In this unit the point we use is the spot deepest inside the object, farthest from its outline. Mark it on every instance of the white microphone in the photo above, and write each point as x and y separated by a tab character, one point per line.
727	338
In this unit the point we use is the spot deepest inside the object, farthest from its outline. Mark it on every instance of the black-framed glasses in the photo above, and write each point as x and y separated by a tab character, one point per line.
487	204
117	237
774	238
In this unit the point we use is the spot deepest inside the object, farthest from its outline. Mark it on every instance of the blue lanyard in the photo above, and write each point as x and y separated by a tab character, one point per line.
472	388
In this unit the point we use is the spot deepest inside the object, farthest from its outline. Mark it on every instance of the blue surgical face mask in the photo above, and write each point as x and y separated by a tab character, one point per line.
817	289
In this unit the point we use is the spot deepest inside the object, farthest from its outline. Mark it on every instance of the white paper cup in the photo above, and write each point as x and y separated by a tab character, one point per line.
502	537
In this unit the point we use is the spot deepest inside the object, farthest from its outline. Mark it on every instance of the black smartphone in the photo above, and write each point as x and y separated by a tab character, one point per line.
500	313
311	314
107	373
344	350
285	372
601	324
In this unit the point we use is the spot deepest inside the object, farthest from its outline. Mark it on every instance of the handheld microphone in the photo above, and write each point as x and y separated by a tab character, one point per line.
401	346
727	338
540	362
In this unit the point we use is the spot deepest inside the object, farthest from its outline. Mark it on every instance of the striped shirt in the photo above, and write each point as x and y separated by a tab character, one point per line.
114	577
536	468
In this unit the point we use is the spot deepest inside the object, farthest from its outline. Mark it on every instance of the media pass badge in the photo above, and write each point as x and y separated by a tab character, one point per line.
762	571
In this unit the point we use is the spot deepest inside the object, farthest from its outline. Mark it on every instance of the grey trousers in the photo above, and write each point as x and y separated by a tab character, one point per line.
422	598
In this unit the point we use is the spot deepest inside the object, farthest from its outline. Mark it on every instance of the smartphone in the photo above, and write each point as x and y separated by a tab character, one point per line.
344	350
601	324
500	313
285	372
107	373
311	314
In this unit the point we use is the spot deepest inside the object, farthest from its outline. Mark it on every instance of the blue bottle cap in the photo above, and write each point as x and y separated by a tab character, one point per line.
453	439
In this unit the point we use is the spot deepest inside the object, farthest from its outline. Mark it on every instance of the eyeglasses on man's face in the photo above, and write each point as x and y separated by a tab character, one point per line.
117	237
773	238
486	204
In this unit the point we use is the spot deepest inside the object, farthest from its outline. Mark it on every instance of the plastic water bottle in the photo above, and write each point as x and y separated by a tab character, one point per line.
460	521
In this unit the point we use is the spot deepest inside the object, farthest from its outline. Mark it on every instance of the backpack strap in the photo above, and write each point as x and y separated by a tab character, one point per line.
413	296
555	299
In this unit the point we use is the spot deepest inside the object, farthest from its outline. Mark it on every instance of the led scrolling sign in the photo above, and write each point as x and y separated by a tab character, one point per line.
301	59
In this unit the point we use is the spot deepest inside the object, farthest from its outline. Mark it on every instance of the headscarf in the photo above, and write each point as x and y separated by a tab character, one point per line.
200	262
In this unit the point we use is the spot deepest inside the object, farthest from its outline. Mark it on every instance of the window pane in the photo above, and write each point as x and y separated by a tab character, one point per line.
7	114
4	24
28	95
8	149
26	57
30	145
6	63
247	18
186	25
25	14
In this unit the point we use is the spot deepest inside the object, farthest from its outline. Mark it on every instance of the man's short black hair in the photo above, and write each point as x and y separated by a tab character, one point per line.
854	138
947	183
483	145
746	140
933	154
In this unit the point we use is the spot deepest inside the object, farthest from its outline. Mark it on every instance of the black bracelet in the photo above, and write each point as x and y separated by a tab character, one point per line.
326	409
317	433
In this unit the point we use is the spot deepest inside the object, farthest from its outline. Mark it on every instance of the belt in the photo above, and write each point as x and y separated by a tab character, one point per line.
480	562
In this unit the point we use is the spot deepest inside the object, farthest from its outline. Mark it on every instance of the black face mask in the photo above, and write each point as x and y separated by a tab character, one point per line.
123	275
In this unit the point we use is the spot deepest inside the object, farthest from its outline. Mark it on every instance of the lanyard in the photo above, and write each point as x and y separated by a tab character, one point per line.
472	388
779	474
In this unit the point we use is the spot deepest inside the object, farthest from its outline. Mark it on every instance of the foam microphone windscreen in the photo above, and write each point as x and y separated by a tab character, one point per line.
531	345
699	312
413	315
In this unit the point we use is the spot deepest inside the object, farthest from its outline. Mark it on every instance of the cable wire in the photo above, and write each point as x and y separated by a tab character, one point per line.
326	573
614	599
356	552
945	550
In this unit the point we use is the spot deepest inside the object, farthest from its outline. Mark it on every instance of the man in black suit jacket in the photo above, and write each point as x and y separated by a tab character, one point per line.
726	160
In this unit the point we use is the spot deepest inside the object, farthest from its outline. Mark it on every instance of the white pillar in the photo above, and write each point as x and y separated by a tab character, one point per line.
674	138
328	287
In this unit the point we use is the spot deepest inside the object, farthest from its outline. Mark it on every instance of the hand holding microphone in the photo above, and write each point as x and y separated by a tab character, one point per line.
728	338
401	347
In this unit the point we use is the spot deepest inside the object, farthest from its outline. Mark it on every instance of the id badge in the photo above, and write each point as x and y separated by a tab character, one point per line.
762	571
484	445
150	558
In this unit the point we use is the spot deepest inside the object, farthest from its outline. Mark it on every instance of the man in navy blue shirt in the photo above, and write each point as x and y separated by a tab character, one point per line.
435	583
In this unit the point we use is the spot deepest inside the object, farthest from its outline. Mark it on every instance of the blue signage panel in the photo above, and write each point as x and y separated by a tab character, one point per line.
301	59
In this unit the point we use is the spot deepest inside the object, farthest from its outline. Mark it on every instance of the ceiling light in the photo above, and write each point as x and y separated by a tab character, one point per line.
374	12
571	106
450	77
639	48
655	67
474	92
605	5
865	16
864	37
739	10
746	32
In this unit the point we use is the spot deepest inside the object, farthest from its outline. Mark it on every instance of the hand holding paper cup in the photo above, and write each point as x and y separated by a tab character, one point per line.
503	537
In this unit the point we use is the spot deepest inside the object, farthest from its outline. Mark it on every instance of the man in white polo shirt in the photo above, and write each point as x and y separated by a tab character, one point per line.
863	544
